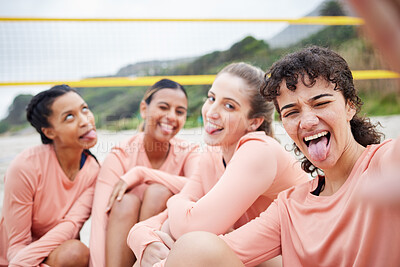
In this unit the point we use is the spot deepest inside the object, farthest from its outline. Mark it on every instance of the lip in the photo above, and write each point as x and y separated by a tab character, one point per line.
315	135
211	127
166	128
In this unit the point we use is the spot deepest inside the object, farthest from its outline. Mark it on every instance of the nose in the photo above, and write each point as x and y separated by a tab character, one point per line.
84	120
171	115
309	120
212	111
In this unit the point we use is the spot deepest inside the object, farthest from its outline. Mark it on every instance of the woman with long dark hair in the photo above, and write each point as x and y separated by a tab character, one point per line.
48	189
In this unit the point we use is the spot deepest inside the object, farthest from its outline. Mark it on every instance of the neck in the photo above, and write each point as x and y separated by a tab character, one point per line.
69	160
156	151
336	176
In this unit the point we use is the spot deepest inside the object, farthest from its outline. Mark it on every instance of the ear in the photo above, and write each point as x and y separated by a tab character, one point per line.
350	111
254	124
49	132
143	107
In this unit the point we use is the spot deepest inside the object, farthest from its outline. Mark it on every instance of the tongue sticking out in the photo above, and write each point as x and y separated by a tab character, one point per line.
90	135
318	149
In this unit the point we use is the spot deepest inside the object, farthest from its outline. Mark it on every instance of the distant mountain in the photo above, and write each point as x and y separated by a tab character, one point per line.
150	68
292	34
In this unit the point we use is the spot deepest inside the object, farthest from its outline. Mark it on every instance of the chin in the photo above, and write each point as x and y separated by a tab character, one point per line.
90	145
211	141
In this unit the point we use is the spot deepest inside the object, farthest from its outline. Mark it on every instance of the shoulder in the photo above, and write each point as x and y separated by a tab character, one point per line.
33	155
260	144
27	167
183	146
298	192
129	145
91	165
259	137
380	148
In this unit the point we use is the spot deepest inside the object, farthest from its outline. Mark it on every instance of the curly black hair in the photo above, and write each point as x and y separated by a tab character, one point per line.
307	65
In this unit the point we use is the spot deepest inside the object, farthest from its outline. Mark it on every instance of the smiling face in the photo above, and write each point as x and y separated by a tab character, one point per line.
317	119
165	115
225	112
72	123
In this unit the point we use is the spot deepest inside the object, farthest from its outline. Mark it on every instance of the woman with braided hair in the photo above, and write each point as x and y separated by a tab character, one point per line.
48	189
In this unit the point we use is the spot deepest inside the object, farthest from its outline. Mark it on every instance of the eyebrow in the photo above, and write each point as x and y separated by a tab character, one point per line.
310	100
70	110
318	97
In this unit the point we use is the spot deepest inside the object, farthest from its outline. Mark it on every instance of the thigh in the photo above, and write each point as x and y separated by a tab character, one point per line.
274	262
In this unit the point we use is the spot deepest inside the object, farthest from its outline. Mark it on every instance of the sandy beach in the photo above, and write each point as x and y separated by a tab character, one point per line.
11	145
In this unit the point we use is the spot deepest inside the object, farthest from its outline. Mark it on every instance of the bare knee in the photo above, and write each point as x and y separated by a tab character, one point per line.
70	253
124	208
201	249
154	200
157	192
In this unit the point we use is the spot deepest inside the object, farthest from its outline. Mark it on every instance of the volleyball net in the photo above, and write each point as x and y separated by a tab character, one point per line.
137	52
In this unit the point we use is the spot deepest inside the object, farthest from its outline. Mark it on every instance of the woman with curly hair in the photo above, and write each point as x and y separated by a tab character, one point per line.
322	222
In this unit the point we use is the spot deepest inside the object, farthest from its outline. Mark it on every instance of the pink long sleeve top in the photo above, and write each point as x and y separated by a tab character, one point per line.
336	230
218	199
129	161
42	207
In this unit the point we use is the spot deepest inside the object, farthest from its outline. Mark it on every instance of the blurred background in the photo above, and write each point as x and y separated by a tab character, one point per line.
111	51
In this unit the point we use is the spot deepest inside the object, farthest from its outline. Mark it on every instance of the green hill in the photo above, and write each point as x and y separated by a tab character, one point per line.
116	107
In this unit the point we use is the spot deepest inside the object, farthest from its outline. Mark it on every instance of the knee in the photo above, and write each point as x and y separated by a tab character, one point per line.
73	253
157	192
123	209
197	249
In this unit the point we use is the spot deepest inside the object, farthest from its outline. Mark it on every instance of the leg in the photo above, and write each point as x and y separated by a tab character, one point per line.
202	249
70	253
274	262
123	215
154	201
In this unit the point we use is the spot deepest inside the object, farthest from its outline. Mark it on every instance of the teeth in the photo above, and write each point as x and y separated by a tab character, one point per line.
315	136
213	125
164	125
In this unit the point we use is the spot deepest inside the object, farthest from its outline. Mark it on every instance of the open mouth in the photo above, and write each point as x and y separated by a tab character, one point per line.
212	128
317	137
166	128
89	135
318	145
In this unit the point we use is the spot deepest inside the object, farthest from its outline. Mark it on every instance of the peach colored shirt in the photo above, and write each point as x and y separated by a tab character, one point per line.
119	163
334	230
216	199
42	207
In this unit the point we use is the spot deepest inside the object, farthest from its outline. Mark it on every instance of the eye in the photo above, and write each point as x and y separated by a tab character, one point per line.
180	112
229	106
289	113
69	117
322	103
211	98
85	109
163	107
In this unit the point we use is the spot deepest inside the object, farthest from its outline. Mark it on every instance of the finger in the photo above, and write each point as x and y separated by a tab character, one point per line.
111	200
122	190
166	238
121	193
